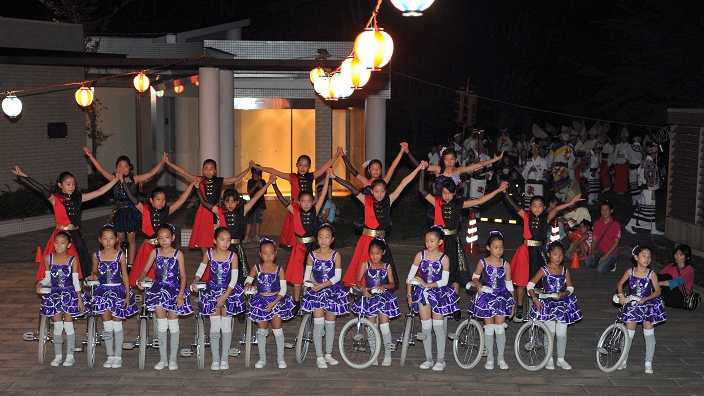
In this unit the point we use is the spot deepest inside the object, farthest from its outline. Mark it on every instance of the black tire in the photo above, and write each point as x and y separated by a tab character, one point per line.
200	348
406	339
356	339
468	345
612	348
43	336
305	337
533	345
247	342
142	342
91	339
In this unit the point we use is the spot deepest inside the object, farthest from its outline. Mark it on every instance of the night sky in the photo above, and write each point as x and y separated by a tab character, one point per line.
626	61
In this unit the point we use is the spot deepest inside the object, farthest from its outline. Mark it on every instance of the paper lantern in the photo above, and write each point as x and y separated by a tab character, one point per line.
412	8
12	106
340	86
84	96
321	85
374	47
355	72
141	82
178	88
315	73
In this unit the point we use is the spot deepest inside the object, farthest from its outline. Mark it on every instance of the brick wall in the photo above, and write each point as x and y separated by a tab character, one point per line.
24	140
323	132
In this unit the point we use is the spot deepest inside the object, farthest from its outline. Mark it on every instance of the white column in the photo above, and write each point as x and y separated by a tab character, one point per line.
226	164
208	114
375	129
182	148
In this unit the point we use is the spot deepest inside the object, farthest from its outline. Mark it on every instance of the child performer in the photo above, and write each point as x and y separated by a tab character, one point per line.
63	303
560	311
448	215
305	225
125	217
434	298
222	297
377	218
271	303
154	215
643	282
326	299
112	299
300	181
376	275
210	186
254	185
494	299
448	170
66	202
233	216
530	256
168	297
581	240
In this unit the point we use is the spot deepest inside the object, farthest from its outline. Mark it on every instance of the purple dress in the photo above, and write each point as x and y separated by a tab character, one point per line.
220	277
268	282
384	303
63	297
652	310
497	303
110	294
332	299
564	310
443	300
167	285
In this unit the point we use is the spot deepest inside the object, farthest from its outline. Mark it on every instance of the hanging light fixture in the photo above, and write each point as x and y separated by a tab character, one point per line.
340	86
374	48
355	72
141	82
412	8
178	88
315	73
321	85
84	96
159	93
11	106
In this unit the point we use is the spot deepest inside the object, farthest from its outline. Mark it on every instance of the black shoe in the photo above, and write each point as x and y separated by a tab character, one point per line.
457	315
296	307
519	315
241	317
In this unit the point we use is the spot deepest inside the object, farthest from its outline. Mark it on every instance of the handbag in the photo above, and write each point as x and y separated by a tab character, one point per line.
691	300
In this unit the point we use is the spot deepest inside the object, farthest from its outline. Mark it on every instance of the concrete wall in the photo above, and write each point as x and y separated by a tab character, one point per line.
23	33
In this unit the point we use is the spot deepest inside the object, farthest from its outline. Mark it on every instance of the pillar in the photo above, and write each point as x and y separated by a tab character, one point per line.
182	148
375	129
208	115
226	164
323	132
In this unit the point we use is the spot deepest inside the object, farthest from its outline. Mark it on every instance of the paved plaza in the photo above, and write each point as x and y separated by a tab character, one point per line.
678	364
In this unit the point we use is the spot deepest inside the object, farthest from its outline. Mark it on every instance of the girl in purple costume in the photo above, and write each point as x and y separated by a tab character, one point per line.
496	304
110	298
560	311
62	304
434	298
168	296
326	298
377	275
271	303
222	297
643	283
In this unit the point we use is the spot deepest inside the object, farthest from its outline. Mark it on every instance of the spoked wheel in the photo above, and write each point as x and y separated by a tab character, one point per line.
360	343
305	337
533	345
142	342
200	348
43	336
91	339
405	339
247	342
613	348
468	345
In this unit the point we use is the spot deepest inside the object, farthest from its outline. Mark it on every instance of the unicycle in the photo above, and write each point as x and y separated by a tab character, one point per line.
200	340
305	331
534	342
145	319
468	340
43	336
248	338
92	337
614	343
360	341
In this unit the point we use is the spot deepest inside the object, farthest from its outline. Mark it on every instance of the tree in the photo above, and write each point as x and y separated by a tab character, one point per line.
94	131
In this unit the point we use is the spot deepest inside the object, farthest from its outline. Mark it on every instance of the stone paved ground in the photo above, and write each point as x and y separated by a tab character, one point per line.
678	364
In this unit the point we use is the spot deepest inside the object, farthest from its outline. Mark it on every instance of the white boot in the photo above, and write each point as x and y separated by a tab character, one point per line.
630	225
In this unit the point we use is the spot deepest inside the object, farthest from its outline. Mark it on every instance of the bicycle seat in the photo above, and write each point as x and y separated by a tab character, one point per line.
308	284
545	296
45	290
200	286
146	283
92	283
250	292
630	300
487	289
414	282
470	286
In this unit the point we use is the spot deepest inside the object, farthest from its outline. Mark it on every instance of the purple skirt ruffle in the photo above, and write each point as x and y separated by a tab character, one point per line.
63	300
652	311
164	295
488	305
209	300
112	298
384	303
257	308
332	299
564	310
443	300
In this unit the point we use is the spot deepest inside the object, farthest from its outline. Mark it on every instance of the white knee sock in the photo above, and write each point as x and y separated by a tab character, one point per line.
261	343
386	336
279	337
427	329
649	335
631	334
489	331
440	337
162	326
318	327
561	339
70	338
175	333
215	337
109	342
500	341
226	329
119	335
58	337
329	336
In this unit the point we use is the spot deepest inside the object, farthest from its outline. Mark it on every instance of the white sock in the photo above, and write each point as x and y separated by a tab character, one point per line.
440	337
318	327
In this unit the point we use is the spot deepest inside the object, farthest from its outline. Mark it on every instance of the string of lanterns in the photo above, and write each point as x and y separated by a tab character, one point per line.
372	50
